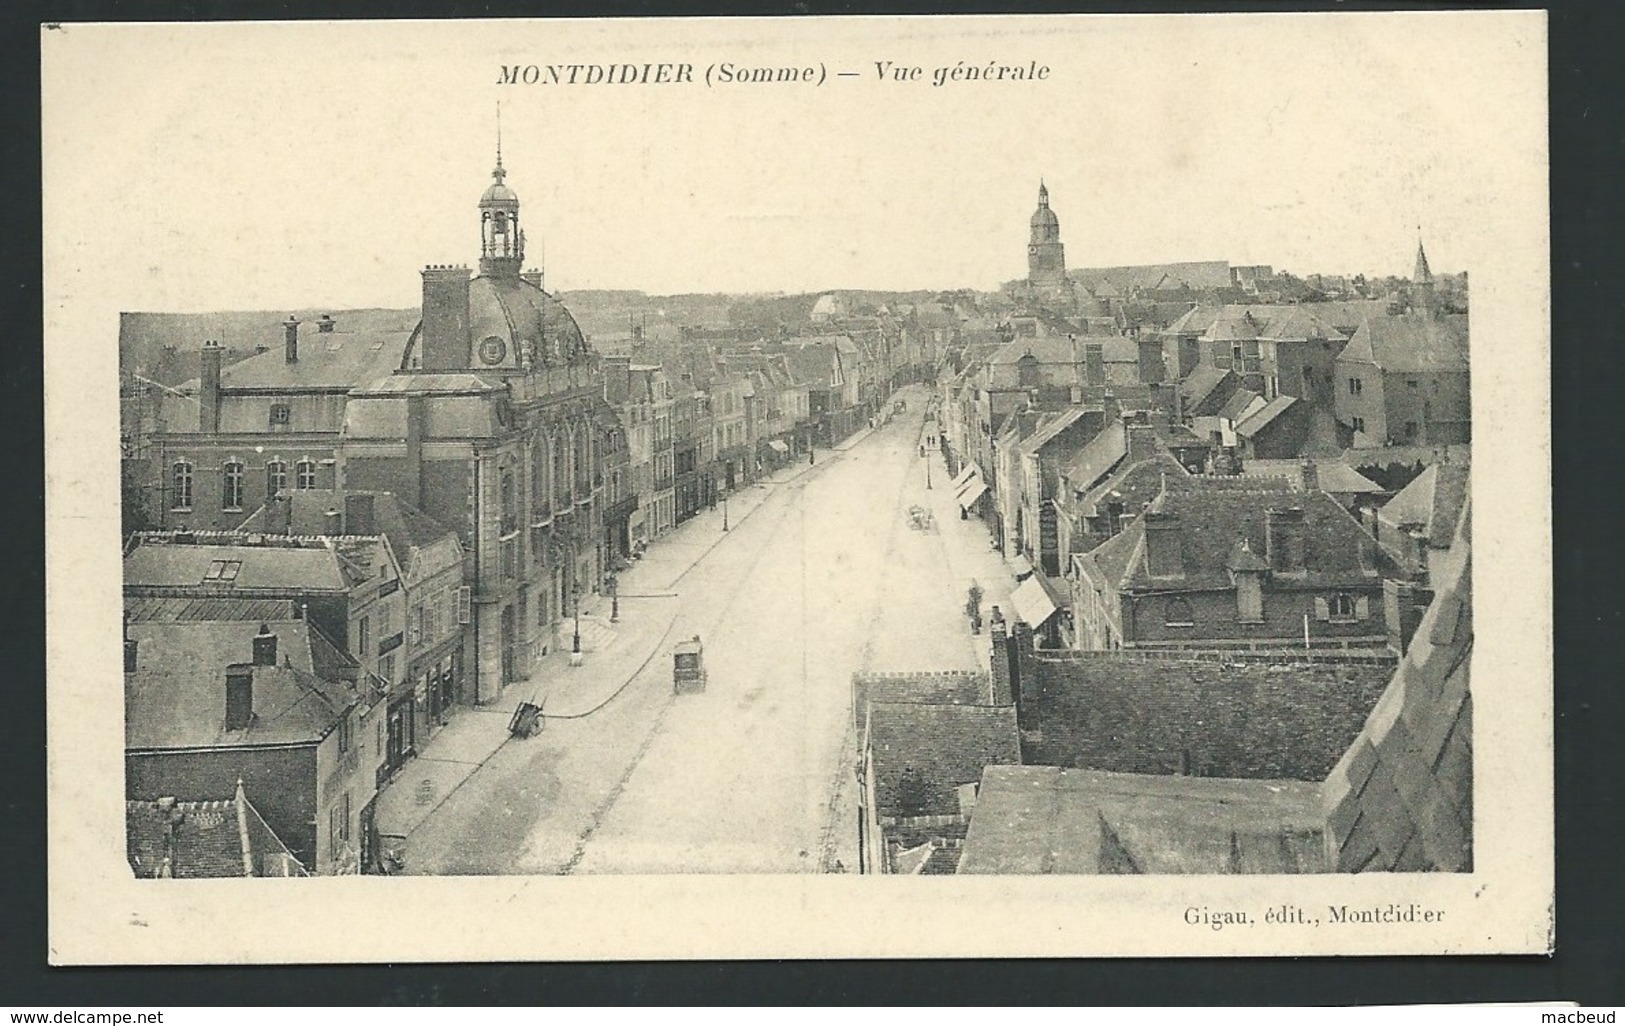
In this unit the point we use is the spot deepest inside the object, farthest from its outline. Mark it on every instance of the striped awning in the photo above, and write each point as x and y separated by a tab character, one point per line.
967	498
964	477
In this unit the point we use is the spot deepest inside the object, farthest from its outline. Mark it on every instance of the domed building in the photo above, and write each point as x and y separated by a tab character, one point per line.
495	423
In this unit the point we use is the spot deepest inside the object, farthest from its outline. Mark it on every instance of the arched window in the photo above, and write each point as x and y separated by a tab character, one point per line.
538	472
181	485
276	477
510	501
231	485
561	472
1177	613
583	462
305	474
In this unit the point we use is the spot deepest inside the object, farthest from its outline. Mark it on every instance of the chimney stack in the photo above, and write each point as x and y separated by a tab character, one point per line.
290	339
1283	540
265	646
358	514
445	341
533	276
239	696
1112	410
1311	476
325	324
209	388
1142	443
332	523
1164	544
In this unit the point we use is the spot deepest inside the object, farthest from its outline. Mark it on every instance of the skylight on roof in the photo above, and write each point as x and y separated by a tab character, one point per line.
223	570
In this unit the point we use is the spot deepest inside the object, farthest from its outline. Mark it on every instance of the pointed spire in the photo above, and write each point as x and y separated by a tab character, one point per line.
498	173
1043	193
1422	275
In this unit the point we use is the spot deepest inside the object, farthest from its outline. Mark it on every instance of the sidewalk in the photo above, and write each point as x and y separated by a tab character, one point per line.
614	653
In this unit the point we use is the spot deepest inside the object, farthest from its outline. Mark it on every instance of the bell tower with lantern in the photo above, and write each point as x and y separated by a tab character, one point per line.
502	241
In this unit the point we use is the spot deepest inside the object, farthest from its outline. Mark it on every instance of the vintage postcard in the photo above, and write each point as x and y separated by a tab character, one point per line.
823	487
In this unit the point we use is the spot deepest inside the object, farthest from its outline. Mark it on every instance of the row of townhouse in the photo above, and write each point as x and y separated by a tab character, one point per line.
1091	458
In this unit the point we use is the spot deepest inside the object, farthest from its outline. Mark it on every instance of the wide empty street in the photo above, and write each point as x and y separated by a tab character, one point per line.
825	576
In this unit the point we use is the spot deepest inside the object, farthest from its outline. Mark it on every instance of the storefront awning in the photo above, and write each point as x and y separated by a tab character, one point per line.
1032	602
975	490
1020	565
966	475
777	446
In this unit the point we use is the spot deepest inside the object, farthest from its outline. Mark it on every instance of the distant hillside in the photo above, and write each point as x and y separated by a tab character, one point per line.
163	347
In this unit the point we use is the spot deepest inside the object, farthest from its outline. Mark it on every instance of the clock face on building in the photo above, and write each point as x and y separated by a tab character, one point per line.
493	349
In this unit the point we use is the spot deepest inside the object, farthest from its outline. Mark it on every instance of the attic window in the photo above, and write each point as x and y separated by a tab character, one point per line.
1177	613
223	570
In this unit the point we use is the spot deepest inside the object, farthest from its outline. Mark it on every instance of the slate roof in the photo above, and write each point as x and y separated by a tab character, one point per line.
1133	484
1052	426
1198	274
1145	712
165	345
226	626
1237	404
1433	502
176	696
263	568
1261	419
1336	478
1401	798
1213	514
943	745
338	359
173	609
812	365
221	838
1411	342
304	512
1047	819
949	687
1097	457
1203	382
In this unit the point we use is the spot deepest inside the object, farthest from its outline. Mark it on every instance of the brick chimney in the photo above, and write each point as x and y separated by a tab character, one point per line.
358	514
1311	476
1142	443
209	388
290	339
1111	409
325	324
1283	540
1164	544
265	646
332	523
445	341
239	696
533	276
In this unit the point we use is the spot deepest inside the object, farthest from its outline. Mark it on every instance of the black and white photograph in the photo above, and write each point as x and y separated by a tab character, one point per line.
652	488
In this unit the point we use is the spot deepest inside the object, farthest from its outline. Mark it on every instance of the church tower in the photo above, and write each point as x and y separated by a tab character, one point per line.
1046	256
502	242
1422	280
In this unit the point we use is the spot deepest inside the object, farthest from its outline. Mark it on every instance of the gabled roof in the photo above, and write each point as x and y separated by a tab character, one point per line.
1336	477
967	687
176	696
1049	819
1203	382
199	839
938	748
1051	427
327	360
1213	514
236	568
304	511
1432	502
223	629
1263	418
1133	484
1411	342
1097	457
1238	404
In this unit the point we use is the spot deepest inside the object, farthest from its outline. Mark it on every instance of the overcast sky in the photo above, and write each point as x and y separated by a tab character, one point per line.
277	166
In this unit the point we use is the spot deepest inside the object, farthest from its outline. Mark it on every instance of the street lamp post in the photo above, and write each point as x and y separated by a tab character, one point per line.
575	641
614	599
927	454
724	511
